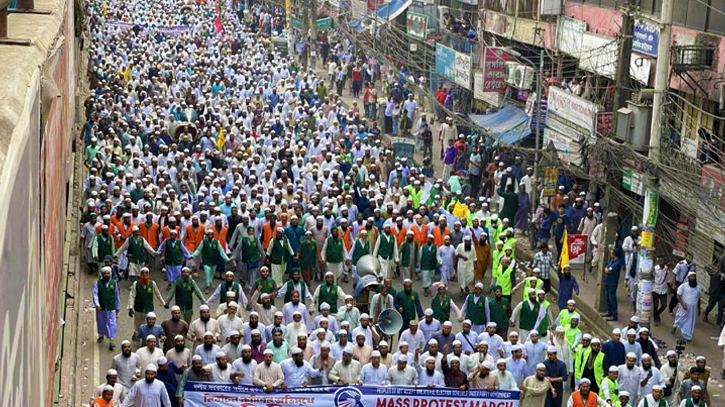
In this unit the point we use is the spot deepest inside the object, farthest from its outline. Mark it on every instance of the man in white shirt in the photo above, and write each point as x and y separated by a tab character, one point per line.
630	376
650	376
221	371
230	322
243	368
374	373
366	329
297	370
430	375
347	370
413	336
401	374
432	352
149	354
149	392
429	325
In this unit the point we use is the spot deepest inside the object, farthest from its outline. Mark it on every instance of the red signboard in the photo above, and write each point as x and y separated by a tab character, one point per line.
577	248
604	123
679	247
494	69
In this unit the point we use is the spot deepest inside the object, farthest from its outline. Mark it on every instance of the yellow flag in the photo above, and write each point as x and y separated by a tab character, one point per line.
220	140
564	257
127	73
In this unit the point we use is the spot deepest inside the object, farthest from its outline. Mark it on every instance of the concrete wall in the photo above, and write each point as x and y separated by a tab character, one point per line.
37	110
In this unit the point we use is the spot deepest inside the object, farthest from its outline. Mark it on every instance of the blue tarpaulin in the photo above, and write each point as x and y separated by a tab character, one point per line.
394	8
509	125
358	24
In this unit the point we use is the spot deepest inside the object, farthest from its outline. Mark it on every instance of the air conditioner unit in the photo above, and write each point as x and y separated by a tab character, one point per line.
524	77
511	68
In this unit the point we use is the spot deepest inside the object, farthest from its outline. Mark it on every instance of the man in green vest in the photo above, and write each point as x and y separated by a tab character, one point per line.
526	313
308	256
141	298
695	399
494	227
429	261
510	241
174	255
442	304
333	253
360	248
409	258
609	388
581	356
532	281
564	317
505	276
573	334
210	250
328	292
226	286
103	245
295	283
136	248
543	320
497	255
623	400
416	192
593	366
266	283
500	311
277	252
386	250
476	309
107	301
184	289
408	303
252	254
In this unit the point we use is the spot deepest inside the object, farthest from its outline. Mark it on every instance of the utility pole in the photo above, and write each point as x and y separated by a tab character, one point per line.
622	79
537	112
661	78
606	243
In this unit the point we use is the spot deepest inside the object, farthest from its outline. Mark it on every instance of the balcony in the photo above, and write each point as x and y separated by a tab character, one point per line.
692	57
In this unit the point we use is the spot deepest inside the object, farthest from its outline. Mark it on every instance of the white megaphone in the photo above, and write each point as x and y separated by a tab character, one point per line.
390	321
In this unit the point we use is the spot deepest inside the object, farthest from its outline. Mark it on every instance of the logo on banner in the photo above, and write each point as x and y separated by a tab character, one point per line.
348	397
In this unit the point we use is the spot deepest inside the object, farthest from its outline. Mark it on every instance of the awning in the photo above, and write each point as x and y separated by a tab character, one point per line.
359	24
509	125
392	9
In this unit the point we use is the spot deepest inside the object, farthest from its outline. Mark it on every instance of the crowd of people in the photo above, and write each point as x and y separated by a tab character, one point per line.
210	155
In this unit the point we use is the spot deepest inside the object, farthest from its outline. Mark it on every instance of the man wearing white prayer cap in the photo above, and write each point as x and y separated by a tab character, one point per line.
402	374
150	353
630	377
149	392
119	392
243	368
107	302
535	387
347	370
105	398
277	251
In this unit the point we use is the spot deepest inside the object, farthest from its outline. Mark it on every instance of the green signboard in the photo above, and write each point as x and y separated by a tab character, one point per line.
298	23
323	23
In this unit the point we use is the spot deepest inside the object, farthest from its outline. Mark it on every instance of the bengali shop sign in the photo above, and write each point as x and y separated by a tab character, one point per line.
227	395
494	69
445	62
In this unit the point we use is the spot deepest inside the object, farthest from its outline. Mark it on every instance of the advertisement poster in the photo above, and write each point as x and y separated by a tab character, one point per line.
577	248
644	299
550	180
417	25
445	61
463	70
197	394
679	247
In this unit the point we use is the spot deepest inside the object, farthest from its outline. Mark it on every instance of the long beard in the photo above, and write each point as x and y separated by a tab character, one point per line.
567	276
692	283
246	360
179	348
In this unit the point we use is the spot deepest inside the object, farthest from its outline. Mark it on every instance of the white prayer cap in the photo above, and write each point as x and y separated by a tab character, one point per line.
571	302
692	273
456	342
634	319
587	336
646	356
540	366
433	341
552	349
175	308
616	331
479	285
670	353
296	313
268	352
107	387
407	281
330	273
348	297
585	380
302	335
596	340
575	316
488	365
540	292
278	314
151	315
453	359
246	347
208	333
295	351
111	372
255	313
643	329
428	312
531	291
135	229
625	393
197	357
402	343
467	321
613	369
256	332
631	355
151	367
343	332
513	333
403	358
229	273
348	350
657	387
162	361
448	323
491	325
699	358
233	332
233	304
692	389
125	342
430	358
516	347
149	337
178	337
375	354
364	316
631	332
500	360
219	354
467	237
204	307
560	329
360	333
